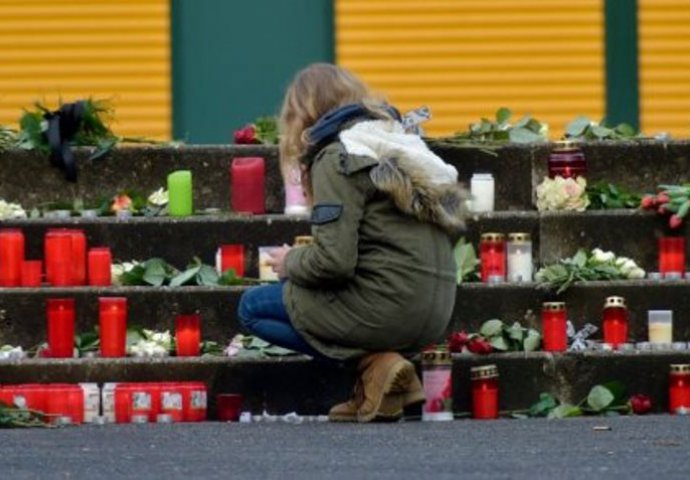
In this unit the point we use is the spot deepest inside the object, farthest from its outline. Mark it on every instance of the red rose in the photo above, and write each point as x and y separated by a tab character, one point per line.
648	201
480	346
640	404
457	341
662	198
246	135
675	221
661	210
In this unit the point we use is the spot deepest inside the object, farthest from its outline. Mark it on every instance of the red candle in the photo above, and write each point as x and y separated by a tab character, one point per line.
100	262
154	388
554	327
615	322
188	335
113	326
171	400
58	257
679	389
32	396
484	392
140	399
228	407
247	185
195	401
671	255
31	273
65	400
78	257
567	160
11	257
232	256
492	252
123	403
61	327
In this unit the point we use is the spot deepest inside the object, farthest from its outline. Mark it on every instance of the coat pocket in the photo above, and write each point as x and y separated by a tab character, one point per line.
324	213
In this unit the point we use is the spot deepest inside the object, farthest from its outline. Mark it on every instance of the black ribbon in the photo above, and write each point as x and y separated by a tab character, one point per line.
63	125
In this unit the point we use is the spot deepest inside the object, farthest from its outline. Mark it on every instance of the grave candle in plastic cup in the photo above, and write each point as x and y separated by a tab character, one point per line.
140	399
554	327
519	257
492	255
123	403
113	326
30	395
11	257
615	321
679	389
78	257
180	193
61	315
171	400
58	257
188	335
100	263
660	326
57	403
231	256
295	200
247	185
31	273
228	407
567	160
484	392
194	401
671	255
482	192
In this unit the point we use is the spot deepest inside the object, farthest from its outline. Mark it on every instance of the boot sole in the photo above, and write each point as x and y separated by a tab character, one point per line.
391	410
399	374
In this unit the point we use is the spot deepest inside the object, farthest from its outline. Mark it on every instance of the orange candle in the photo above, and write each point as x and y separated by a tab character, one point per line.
11	257
188	335
113	326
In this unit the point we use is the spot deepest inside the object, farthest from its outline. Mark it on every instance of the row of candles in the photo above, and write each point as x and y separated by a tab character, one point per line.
62	404
437	383
247	181
112	315
517	265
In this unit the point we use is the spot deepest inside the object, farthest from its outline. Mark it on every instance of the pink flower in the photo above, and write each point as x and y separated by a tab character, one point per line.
675	221
662	198
648	201
246	135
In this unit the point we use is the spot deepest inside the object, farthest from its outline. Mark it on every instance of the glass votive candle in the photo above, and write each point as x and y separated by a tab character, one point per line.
567	160
113	326
679	389
228	407
31	273
61	317
484	392
615	321
554	327
660	325
671	255
188	335
437	380
492	255
295	200
266	272
482	192
520	265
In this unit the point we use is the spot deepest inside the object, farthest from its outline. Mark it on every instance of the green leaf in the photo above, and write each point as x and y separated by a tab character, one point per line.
491	328
275	350
499	343
532	341
601	132
465	259
207	276
599	398
580	258
155	273
185	277
618	390
503	115
565	410
523	135
683	210
134	335
577	127
257	343
134	277
516	332
626	130
544	406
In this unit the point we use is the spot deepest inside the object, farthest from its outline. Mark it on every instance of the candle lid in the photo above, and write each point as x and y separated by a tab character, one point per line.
614	301
553	306
680	368
519	237
436	357
566	146
302	240
492	237
485	371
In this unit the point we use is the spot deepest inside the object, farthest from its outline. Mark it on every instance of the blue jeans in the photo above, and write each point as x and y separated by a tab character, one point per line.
263	313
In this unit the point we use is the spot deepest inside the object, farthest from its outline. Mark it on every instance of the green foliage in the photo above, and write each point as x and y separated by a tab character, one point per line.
466	261
604	195
606	399
267	130
87	342
253	347
582	128
510	338
13	417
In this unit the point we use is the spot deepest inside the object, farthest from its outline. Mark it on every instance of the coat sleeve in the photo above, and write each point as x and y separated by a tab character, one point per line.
340	195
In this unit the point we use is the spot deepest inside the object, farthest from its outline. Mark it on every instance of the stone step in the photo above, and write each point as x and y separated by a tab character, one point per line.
23	320
284	384
27	178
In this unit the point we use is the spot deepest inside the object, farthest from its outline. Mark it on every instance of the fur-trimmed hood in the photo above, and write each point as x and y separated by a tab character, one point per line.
419	181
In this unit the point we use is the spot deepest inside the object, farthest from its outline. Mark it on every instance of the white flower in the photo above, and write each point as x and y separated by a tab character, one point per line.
562	194
159	198
236	344
620	261
636	273
627	267
600	256
9	211
8	352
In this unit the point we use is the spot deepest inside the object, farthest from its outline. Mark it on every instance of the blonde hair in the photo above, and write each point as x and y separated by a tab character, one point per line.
316	90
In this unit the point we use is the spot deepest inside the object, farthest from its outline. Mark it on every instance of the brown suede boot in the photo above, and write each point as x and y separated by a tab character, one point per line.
391	409
381	374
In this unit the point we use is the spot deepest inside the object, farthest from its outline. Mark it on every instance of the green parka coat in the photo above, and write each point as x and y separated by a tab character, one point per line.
380	275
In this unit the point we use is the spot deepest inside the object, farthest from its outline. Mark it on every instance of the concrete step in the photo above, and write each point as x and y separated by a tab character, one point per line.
23	320
27	178
281	385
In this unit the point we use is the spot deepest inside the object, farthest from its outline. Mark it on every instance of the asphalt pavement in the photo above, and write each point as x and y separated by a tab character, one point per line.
608	448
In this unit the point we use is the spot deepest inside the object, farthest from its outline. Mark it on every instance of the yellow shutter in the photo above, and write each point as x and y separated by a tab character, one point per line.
73	49
664	29
466	58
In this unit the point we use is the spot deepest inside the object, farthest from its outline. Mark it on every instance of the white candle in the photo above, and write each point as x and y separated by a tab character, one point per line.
519	257
660	326
482	190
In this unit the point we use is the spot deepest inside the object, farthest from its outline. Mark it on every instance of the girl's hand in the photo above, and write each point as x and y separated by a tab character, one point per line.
277	260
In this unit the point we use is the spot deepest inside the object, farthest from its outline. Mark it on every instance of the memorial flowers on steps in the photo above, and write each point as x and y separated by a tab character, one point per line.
672	201
562	194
